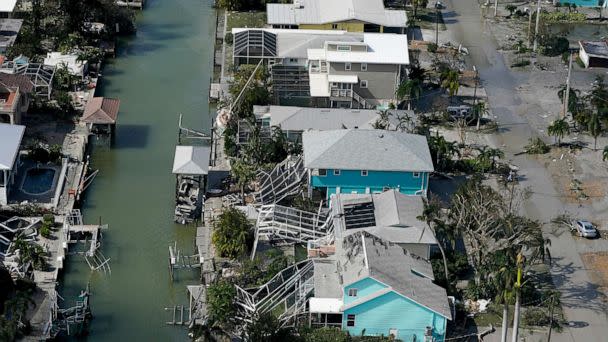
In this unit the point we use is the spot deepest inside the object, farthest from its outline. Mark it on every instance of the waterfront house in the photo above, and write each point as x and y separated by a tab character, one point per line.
101	113
15	92
371	287
327	68
70	61
293	121
10	141
348	15
366	161
9	30
7	8
390	215
593	53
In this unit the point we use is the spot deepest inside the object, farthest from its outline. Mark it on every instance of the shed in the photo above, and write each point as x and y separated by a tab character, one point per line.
101	112
191	160
593	53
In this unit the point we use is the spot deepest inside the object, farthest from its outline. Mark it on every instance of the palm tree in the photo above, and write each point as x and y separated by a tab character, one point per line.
504	280
450	81
244	173
605	153
480	109
409	90
572	98
494	153
595	128
558	129
430	215
442	150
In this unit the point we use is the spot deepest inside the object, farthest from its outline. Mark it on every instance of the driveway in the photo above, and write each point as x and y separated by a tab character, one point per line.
582	301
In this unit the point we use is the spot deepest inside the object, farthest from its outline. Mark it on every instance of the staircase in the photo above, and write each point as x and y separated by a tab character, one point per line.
363	104
282	182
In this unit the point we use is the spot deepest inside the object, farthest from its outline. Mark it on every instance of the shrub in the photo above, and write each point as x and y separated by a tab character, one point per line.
562	16
522	63
219	301
535	317
554	45
39	154
229	38
231	233
45	231
49	219
432	47
536	146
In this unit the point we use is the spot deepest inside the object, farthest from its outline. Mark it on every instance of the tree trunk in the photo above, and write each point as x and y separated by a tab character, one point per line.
505	322
516	316
445	262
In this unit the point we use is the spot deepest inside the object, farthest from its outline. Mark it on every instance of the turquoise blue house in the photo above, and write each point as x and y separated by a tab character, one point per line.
372	287
363	161
585	3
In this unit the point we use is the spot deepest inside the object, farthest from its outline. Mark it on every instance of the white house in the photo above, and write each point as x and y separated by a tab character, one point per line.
10	140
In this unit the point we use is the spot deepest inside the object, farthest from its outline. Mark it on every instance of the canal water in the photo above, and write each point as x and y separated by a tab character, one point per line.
161	72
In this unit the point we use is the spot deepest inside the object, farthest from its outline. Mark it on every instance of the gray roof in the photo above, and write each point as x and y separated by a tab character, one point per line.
598	48
9	30
359	149
326	280
191	160
10	140
396	217
363	255
306	118
334	11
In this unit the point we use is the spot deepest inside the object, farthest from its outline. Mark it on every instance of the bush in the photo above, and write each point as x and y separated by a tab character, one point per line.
48	219
40	155
45	231
536	146
554	45
522	63
562	16
432	47
231	234
229	38
535	317
219	301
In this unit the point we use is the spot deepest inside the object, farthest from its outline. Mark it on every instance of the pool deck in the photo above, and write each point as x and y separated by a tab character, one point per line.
18	194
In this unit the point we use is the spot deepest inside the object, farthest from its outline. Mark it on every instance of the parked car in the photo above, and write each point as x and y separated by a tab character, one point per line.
585	229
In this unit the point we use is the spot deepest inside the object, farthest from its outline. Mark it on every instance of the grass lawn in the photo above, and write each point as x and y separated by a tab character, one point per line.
246	19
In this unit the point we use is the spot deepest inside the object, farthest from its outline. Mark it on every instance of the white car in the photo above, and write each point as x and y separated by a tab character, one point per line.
585	229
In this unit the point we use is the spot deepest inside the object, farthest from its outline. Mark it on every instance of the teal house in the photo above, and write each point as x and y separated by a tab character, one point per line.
363	161
585	3
371	287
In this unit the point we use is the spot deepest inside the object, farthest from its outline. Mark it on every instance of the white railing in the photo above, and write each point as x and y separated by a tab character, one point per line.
341	93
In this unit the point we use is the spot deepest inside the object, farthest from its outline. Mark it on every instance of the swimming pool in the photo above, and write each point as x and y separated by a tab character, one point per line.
38	180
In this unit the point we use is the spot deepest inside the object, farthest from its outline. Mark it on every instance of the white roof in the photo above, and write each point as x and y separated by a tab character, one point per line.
10	140
325	305
382	48
191	160
363	149
343	78
7	5
71	61
334	11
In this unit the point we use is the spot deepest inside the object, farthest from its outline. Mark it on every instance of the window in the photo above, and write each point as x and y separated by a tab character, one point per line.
336	172
363	84
416	174
363	66
293	60
363	173
352	292
343	48
322	172
347	66
334	26
350	320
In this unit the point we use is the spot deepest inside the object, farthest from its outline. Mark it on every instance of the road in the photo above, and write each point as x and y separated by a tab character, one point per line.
582	302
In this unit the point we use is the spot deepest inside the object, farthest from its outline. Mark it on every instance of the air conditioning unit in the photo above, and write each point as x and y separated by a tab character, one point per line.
298	4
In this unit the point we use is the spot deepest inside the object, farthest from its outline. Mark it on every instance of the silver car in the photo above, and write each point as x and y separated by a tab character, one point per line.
585	229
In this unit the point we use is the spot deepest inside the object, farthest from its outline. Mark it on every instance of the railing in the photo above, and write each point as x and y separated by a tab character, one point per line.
341	93
283	181
362	101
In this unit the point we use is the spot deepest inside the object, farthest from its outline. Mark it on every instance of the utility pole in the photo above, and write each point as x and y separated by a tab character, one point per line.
475	97
551	319
529	28
567	95
495	7
520	267
437	26
536	29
